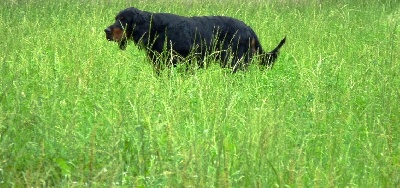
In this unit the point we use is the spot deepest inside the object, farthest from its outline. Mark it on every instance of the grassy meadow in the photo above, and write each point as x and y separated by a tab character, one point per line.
75	111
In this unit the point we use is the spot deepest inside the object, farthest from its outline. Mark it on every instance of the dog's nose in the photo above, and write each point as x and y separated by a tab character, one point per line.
107	30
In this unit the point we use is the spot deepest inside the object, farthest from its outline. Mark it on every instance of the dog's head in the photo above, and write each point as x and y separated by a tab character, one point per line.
122	28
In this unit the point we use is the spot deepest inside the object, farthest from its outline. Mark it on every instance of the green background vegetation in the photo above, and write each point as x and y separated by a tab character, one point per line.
77	111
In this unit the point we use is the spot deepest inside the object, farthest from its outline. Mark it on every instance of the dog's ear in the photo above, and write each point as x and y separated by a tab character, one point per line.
128	21
140	19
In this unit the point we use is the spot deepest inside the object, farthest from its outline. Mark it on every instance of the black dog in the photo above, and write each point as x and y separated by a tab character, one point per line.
229	40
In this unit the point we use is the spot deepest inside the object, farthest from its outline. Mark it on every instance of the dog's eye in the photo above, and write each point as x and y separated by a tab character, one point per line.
122	18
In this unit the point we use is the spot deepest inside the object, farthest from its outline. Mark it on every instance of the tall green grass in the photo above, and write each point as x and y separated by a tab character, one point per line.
76	111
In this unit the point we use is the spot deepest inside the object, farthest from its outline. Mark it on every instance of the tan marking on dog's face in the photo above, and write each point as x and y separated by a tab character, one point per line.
117	34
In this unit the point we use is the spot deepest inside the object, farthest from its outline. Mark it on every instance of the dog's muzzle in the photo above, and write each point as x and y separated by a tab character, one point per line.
108	32
117	35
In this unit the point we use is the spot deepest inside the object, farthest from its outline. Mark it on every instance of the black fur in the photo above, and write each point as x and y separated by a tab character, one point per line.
229	40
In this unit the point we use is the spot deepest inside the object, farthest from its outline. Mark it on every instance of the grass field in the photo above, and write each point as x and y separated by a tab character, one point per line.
76	111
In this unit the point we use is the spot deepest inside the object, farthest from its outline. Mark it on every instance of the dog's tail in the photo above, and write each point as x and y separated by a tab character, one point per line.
268	58
276	50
